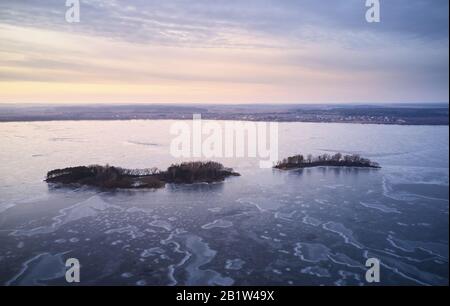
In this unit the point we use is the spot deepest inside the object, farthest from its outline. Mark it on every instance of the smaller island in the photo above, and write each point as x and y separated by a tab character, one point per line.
336	160
111	177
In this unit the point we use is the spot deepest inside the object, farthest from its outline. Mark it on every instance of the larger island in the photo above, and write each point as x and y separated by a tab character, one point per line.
111	177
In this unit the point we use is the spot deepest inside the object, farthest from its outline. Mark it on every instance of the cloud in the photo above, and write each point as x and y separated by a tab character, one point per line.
210	23
277	49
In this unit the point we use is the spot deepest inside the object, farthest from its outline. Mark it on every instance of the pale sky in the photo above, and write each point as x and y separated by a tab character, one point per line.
224	51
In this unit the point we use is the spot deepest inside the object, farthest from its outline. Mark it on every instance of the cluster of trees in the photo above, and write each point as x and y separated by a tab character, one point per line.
73	172
116	177
337	159
94	175
190	172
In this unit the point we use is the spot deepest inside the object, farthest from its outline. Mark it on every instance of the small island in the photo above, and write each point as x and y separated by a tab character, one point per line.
336	160
111	177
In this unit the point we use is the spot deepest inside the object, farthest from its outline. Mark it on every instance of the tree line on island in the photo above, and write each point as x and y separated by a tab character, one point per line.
116	177
186	173
335	160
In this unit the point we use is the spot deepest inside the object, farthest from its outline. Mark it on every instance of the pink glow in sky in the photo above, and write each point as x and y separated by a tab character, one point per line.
223	52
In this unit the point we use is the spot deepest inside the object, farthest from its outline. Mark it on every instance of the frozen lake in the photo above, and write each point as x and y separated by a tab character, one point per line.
266	227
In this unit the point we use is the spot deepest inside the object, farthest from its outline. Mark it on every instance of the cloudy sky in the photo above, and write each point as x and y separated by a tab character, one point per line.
224	51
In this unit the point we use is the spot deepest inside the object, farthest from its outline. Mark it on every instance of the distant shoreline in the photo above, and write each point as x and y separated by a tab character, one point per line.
432	115
237	119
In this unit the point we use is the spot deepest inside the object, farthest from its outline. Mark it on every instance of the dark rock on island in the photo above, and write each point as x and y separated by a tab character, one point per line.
111	177
336	160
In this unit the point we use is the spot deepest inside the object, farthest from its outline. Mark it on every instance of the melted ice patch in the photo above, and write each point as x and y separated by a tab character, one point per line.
343	259
380	207
234	264
312	252
39	269
433	248
285	216
131	230
5	206
198	253
347	277
344	232
89	208
311	221
218	223
407	271
162	224
316	271
152	252
262	203
419	181
142	143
